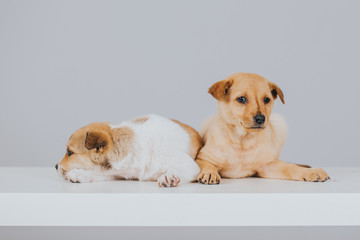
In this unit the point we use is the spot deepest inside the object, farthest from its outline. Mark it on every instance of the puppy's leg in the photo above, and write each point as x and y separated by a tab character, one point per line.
208	174
182	169
287	171
168	180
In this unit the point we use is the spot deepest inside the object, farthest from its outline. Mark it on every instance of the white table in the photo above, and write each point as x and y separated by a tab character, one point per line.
40	197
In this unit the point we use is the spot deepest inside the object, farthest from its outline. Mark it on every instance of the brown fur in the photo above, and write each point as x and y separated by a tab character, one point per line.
123	140
94	146
303	165
276	91
236	146
96	139
221	90
195	139
140	120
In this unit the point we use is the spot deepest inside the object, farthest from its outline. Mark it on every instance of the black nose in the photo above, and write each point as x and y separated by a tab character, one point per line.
259	119
56	166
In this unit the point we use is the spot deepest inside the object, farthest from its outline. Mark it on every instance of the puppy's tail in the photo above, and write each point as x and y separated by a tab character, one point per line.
303	165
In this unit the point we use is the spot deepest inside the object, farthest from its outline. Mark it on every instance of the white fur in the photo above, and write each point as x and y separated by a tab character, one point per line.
84	176
280	126
160	149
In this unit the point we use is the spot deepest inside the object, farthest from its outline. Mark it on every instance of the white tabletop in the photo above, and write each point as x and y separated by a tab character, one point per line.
47	180
41	197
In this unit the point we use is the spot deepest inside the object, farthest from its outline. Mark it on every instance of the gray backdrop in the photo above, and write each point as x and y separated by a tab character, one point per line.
64	64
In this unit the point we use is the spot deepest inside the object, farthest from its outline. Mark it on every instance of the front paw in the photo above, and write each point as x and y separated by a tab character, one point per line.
168	181
79	176
209	177
315	175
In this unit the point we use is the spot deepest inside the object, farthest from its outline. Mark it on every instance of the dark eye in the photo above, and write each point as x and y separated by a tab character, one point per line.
241	99
69	153
266	100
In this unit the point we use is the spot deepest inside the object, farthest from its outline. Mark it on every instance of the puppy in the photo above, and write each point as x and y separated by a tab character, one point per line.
148	148
243	139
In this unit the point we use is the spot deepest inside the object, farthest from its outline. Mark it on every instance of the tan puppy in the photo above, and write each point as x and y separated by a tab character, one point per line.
243	139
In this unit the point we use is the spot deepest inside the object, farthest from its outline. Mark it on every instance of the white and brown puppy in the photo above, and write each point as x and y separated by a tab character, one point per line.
149	148
244	139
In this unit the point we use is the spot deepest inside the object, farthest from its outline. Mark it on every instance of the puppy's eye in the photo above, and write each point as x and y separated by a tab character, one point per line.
69	153
266	100
241	99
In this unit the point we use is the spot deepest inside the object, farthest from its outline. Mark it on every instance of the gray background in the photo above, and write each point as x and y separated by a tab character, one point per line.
64	64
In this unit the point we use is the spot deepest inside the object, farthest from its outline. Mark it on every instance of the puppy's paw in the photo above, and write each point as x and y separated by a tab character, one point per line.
209	177
168	181
79	176
315	175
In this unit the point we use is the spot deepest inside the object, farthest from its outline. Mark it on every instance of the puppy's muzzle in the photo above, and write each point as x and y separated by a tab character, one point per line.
259	119
60	169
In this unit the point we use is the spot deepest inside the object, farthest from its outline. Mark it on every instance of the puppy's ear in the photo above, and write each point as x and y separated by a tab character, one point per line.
276	91
96	139
221	89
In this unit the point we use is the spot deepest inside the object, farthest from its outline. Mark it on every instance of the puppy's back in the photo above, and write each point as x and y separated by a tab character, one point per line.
195	139
170	132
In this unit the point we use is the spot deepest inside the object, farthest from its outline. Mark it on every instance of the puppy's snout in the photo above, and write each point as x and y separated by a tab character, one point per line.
259	119
56	166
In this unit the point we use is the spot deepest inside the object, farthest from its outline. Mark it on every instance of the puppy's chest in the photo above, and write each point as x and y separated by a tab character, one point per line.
244	159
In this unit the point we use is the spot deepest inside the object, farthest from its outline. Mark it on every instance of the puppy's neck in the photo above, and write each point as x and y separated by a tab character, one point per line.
123	138
235	132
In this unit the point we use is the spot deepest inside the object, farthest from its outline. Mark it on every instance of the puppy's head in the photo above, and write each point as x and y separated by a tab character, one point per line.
88	148
246	99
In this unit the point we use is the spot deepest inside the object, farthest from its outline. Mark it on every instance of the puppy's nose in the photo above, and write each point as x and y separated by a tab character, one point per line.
259	119
56	166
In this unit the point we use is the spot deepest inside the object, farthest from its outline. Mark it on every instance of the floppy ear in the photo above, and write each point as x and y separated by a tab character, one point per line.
276	91
95	139
221	89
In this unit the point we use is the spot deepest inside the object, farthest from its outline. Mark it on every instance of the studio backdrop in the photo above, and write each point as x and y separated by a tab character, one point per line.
64	64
